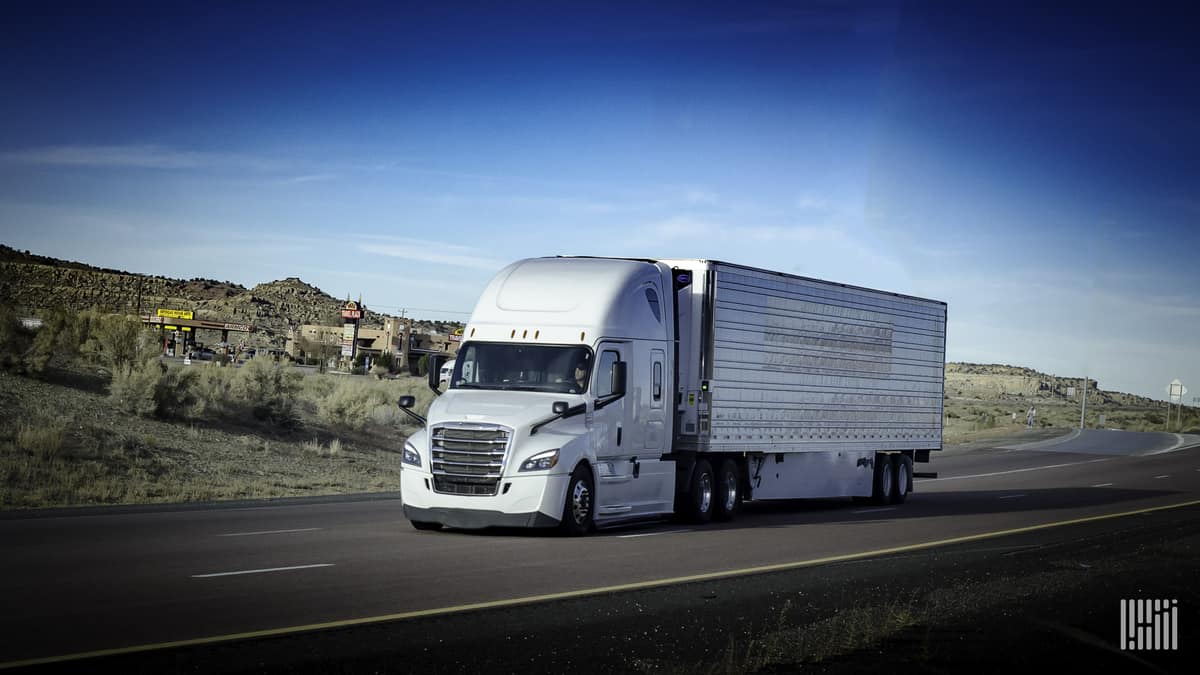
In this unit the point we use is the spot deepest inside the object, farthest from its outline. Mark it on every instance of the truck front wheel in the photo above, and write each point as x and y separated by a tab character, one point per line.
577	511
728	491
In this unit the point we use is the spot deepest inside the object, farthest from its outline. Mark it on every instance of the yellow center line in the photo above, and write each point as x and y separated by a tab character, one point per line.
565	595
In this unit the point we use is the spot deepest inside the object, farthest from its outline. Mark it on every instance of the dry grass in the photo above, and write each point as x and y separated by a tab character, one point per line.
91	453
43	440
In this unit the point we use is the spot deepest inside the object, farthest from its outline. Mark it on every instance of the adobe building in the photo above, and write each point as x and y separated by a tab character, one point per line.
396	337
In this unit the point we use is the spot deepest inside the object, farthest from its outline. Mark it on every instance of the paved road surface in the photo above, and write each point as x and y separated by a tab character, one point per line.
99	582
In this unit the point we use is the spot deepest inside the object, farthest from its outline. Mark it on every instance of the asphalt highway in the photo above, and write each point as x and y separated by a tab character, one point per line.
115	582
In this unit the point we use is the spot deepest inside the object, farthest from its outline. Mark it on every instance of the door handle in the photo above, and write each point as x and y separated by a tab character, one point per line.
618	436
637	468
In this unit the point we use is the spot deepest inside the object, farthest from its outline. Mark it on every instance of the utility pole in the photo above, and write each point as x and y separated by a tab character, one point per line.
1083	406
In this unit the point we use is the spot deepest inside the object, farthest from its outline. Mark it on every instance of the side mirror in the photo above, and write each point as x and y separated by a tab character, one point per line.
436	361
618	378
407	401
559	407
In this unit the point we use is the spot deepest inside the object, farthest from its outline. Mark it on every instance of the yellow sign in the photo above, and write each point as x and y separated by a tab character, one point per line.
175	313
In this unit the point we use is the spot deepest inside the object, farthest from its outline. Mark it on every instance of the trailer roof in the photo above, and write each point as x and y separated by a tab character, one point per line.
766	271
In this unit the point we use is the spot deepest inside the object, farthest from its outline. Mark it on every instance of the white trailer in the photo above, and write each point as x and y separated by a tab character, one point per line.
595	391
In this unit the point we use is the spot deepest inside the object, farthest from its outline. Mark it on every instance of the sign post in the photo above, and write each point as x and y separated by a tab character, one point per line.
1175	392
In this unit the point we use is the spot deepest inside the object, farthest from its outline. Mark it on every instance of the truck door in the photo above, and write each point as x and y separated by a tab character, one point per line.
613	447
632	478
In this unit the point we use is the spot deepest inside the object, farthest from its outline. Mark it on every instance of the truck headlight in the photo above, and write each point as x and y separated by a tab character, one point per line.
541	461
411	456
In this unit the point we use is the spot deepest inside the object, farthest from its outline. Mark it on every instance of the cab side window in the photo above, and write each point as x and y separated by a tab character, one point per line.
604	373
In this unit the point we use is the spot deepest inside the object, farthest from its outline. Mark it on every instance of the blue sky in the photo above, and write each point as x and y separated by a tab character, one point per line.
1037	169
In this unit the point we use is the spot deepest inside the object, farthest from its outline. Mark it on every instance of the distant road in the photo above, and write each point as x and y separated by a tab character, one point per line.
81	584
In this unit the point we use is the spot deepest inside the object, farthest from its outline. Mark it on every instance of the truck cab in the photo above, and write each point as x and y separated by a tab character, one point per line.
557	411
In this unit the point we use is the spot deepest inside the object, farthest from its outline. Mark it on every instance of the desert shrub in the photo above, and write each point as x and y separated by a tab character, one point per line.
423	365
386	361
212	391
1154	418
119	343
387	415
351	403
133	389
316	387
44	440
951	414
15	340
59	339
269	390
175	393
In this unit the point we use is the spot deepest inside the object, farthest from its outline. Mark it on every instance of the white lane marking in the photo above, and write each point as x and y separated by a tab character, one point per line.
250	534
1182	442
1043	444
1010	496
888	508
649	534
1002	473
268	569
1102	485
1164	476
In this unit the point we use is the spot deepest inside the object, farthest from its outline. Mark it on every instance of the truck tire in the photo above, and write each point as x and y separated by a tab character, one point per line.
700	497
728	493
424	526
579	506
901	478
881	492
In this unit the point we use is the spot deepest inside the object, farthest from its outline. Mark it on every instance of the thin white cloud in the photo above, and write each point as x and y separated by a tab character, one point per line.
135	157
309	178
434	252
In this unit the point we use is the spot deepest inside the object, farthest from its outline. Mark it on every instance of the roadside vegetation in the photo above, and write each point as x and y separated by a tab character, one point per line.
89	414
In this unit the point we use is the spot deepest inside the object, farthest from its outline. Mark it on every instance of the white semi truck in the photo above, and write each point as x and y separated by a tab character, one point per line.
595	391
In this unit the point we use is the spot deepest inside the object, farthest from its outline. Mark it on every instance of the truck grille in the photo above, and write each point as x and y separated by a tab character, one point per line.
468	459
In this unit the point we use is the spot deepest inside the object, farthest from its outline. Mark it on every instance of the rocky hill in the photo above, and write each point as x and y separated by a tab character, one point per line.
996	382
35	285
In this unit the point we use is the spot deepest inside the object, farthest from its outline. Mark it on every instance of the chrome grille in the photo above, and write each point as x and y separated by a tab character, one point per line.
468	459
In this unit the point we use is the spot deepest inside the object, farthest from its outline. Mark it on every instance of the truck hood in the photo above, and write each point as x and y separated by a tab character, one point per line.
514	409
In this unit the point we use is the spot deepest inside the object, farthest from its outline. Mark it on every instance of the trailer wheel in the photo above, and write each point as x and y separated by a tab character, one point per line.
902	478
881	492
577	510
425	526
701	496
728	497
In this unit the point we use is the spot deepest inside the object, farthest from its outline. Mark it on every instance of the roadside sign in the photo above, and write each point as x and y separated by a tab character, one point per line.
1071	391
1176	390
175	313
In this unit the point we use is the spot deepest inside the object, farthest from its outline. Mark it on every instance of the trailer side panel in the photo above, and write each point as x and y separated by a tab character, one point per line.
803	365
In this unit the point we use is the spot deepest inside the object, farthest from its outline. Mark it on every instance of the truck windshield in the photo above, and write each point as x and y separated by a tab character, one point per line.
491	365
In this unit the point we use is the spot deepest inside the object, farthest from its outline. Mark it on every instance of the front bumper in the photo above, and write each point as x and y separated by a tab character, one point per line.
474	519
528	501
